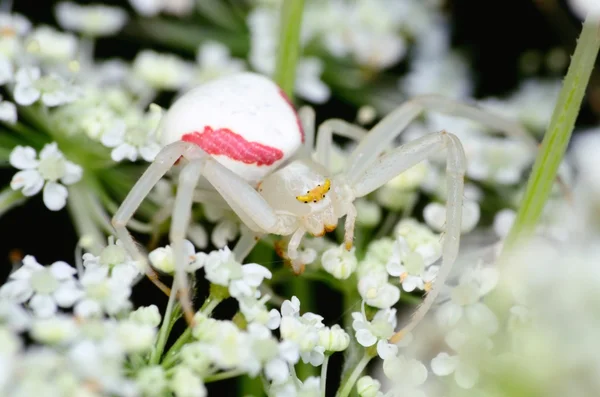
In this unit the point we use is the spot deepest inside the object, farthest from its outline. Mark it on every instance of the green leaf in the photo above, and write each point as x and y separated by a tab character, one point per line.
289	45
557	135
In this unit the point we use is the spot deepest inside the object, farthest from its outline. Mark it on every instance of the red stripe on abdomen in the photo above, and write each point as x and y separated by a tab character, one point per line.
227	143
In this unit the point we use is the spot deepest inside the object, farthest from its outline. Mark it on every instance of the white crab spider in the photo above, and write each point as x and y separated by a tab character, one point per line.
242	136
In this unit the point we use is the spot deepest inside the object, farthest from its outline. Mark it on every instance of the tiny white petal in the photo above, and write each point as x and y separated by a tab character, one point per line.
43	305
62	270
365	337
55	196
443	364
26	95
8	112
73	173
30	181
254	274
466	375
386	350
23	158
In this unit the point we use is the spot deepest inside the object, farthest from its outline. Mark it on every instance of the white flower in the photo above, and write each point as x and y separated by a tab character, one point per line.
49	44
153	7
45	288
420	239
308	83
376	291
52	89
376	331
194	356
8	111
334	339
184	383
411	267
6	70
268	353
10	346
135	337
222	268
503	221
54	330
102	293
465	374
163	259
368	387
119	263
255	311
90	20
146	315
13	315
161	71
302	330
435	216
45	172
369	213
339	262
214	60
152	381
133	137
230	348
406	374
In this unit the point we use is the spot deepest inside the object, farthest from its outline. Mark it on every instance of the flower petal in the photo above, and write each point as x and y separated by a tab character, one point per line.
386	350
23	158
62	270
365	337
55	196
30	181
43	305
25	95
8	112
444	364
254	274
67	295
18	291
466	375
72	174
123	151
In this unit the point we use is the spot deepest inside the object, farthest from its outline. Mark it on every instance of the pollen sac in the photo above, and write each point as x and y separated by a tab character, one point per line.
317	193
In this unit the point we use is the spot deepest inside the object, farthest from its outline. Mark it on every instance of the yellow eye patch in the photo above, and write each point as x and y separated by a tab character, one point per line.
316	194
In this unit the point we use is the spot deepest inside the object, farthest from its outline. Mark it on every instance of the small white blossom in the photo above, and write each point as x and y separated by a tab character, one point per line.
194	356
153	7
6	70
334	339
184	383
406	374
118	261
152	381
230	348
369	213
411	267
302	330
8	111
163	259
44	288
376	331
90	20
339	262
13	315
45	172
368	387
503	221
54	330
223	269
214	60
465	373
102	293
255	311
268	353
135	337
51	45
146	315
376	291
161	71
31	86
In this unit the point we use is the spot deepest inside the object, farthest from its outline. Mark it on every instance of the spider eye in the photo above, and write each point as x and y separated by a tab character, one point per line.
306	201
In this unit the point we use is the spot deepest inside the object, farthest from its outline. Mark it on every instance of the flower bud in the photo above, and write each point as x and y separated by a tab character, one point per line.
146	315
368	387
339	262
334	339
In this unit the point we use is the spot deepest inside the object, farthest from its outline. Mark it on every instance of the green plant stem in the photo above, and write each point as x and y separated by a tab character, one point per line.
290	23
324	375
163	333
82	218
224	375
9	199
348	384
557	135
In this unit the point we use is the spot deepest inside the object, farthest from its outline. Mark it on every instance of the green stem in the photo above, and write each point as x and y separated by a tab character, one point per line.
163	334
324	376
9	199
289	45
82	218
224	375
348	384
557	135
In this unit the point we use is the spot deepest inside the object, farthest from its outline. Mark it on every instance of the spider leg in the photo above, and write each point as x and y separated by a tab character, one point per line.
325	138
182	211
399	160
306	114
245	244
159	167
393	124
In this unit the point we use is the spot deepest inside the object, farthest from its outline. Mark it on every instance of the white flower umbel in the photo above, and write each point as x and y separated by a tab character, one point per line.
90	20
194	356
420	239
229	347
411	267
102	293
435	216
14	316
55	330
302	330
222	268
115	257
135	337
376	291
376	331
339	262
46	172
162	71
406	375
162	258
134	137
52	89
214	60
44	288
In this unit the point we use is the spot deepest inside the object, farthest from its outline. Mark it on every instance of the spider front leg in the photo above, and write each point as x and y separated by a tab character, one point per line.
401	159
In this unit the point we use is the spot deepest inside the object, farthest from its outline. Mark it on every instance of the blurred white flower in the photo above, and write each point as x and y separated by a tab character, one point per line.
503	221
256	311
150	8
406	375
376	291
119	263
184	383
146	315
435	216
584	7
135	337
8	111
52	90
302	330
214	60
410	266
498	160
91	20
152	381
271	355
162	258
376	331
465	374
56	329
44	288
45	172
334	339
102	293
52	45
369	213
368	387
162	71
14	316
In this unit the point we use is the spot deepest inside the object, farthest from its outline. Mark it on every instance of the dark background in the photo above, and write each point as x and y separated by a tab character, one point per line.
494	33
